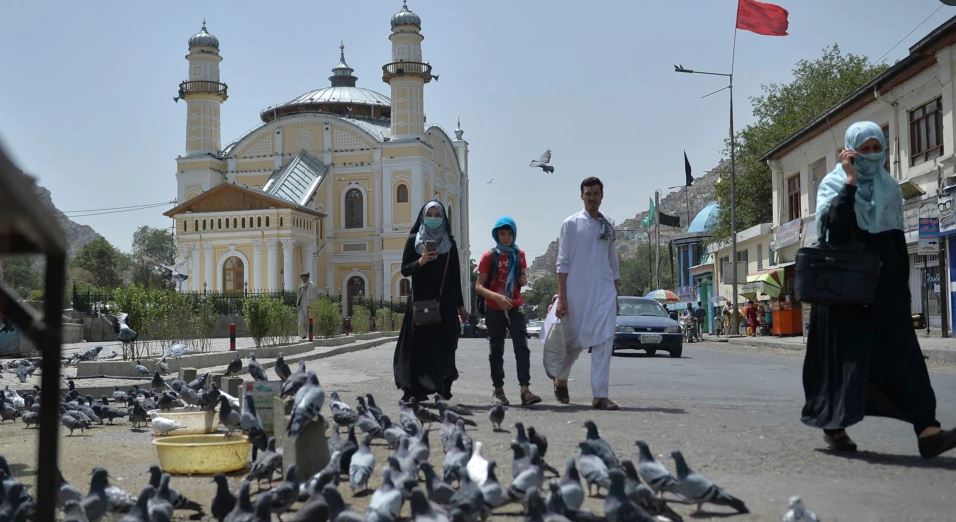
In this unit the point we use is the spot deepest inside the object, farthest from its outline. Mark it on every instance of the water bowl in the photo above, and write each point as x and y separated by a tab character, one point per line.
196	421
205	454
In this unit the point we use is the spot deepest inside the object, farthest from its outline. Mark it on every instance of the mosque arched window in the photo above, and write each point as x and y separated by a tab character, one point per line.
353	208
401	194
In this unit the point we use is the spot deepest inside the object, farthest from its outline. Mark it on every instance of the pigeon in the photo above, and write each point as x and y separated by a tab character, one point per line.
453	467
392	433
643	495
519	459
256	370
282	369
234	367
531	478
477	466
543	162
294	382
251	425
491	490
119	395
72	423
263	509
91	354
227	416
166	401
592	468
700	490
438	490
122	329
198	383
224	501
798	512
176	500
312	510
362	465
73	512
653	472
8	412
445	412
468	501
177	350
158	383
619	508
407	418
163	367
539	440
601	447
338	511
367	423
373	408
140	369
497	415
490	181
286	493
342	414
163	426
307	405
537	510
242	511
171	273
570	486
265	467
424	511
386	502
137	414
104	497
140	511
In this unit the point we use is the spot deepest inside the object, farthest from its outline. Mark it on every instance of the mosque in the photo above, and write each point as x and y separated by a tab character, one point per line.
330	182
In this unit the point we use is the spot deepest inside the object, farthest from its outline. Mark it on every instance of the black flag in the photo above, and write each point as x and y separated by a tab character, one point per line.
669	221
689	178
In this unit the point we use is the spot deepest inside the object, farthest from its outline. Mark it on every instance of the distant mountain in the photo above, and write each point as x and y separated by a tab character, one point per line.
77	235
631	231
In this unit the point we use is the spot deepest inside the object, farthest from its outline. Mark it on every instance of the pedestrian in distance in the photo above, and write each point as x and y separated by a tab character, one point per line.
424	360
701	316
751	313
588	277
501	274
867	360
305	296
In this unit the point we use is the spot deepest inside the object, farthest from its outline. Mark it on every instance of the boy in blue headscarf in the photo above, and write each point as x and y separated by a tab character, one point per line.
501	273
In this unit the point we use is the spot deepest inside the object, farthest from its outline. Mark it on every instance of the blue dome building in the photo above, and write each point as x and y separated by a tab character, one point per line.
695	276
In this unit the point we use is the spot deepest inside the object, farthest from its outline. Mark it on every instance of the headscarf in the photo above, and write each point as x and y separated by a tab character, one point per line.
512	251
440	235
879	201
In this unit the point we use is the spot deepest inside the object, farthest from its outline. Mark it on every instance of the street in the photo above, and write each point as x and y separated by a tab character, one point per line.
733	412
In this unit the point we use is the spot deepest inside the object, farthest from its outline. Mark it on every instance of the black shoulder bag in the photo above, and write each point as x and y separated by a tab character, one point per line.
426	312
836	276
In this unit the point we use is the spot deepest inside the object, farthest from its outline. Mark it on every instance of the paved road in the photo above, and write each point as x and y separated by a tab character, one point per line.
735	415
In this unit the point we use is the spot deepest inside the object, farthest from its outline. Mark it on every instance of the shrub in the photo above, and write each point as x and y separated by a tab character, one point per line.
327	316
258	315
383	319
203	321
284	325
361	319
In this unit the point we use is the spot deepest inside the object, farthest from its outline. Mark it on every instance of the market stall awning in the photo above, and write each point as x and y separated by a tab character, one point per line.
767	282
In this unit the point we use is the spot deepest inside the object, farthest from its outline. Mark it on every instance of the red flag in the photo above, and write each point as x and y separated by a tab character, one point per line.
762	18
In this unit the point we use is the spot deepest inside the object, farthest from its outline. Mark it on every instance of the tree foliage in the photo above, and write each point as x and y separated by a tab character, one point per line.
102	263
152	245
20	274
782	110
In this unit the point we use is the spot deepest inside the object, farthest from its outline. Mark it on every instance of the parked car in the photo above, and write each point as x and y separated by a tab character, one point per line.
644	324
480	329
534	329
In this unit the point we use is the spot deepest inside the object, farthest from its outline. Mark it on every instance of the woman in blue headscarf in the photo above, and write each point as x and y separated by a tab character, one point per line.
424	360
867	361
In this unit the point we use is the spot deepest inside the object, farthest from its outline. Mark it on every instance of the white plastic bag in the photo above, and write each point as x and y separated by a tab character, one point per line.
557	356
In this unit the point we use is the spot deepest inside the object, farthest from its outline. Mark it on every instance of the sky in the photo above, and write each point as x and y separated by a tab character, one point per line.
87	107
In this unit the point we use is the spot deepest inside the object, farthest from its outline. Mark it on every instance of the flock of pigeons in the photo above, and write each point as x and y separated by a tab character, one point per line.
465	488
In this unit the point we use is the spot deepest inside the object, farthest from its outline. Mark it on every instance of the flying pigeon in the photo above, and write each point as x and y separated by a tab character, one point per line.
171	273
543	162
701	490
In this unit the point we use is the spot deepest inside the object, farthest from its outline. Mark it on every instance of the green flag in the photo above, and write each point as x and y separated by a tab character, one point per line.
649	218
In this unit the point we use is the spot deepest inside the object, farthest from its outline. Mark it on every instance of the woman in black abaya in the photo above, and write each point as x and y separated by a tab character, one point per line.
424	361
867	361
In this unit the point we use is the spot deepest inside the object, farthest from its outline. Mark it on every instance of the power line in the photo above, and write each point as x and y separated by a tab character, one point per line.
113	208
144	207
909	33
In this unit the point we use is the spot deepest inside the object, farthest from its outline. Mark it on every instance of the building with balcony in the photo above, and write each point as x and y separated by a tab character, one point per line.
330	182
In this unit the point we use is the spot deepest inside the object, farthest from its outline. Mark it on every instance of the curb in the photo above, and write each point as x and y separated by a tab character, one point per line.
931	354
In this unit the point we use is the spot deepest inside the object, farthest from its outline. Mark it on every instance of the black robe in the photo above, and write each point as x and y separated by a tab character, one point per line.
424	361
866	361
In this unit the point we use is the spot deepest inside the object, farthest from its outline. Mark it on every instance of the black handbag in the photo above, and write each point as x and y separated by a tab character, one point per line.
840	276
426	312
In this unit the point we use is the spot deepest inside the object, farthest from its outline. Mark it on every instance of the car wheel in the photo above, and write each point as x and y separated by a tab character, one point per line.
651	352
676	353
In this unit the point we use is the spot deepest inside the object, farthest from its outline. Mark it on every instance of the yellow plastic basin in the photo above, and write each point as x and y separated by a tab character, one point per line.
196	421
202	454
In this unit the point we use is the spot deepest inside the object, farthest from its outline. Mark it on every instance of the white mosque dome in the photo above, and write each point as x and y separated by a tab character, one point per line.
406	17
203	39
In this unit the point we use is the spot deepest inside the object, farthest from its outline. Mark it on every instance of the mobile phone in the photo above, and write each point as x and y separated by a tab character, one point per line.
430	245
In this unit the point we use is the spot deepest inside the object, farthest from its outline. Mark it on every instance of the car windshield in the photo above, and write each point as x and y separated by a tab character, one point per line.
640	307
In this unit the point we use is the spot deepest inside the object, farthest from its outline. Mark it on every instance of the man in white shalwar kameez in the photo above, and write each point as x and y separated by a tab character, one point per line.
587	288
307	293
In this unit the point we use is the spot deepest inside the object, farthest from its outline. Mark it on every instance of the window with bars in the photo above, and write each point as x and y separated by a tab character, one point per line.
793	197
886	139
926	131
353	208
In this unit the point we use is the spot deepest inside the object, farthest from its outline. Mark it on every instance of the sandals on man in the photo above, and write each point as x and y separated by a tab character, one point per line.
528	398
603	403
561	393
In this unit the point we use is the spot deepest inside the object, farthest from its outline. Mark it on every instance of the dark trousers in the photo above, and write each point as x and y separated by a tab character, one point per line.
517	324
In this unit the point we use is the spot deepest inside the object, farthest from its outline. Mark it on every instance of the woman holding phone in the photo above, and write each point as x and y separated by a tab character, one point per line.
424	361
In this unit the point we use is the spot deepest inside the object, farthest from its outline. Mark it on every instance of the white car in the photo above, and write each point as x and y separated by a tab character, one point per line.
534	328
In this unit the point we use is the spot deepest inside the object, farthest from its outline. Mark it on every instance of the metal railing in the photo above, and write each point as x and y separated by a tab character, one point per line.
393	69
203	87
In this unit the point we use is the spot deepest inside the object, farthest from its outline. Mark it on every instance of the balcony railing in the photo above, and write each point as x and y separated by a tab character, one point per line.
203	87
391	70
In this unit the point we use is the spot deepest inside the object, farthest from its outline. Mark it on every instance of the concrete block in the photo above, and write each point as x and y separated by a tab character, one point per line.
309	451
231	385
187	374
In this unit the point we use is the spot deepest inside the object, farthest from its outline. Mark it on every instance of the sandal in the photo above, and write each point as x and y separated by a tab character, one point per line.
561	393
604	403
839	441
934	445
499	396
528	398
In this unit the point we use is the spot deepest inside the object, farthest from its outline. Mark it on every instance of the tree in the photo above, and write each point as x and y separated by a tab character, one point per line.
782	110
637	274
152	245
537	296
20	274
102	262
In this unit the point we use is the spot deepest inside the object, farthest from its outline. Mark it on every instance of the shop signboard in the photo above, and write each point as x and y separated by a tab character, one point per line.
928	235
947	219
787	234
687	293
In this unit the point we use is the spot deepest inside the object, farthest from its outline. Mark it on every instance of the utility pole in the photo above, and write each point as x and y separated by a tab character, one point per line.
657	225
